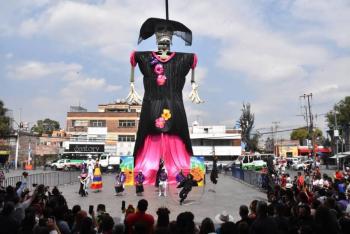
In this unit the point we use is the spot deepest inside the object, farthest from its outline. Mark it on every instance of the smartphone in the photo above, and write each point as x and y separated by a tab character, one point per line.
123	205
91	209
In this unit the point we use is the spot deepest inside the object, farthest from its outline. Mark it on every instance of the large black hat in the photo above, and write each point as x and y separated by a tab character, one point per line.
148	28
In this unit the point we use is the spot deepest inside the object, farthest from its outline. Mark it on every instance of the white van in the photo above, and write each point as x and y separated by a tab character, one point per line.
109	162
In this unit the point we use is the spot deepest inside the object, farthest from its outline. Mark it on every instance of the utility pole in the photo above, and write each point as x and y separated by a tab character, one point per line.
310	117
274	136
336	137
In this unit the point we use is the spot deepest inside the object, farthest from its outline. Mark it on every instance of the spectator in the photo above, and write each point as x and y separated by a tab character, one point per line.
263	224
243	213
163	217
252	208
228	228
8	224
185	223
221	218
140	217
87	226
207	226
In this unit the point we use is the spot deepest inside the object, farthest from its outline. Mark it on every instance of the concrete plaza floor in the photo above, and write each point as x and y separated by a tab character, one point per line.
229	195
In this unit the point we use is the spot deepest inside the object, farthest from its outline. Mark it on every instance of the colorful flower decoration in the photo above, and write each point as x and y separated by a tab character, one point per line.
161	80
166	114
158	69
160	122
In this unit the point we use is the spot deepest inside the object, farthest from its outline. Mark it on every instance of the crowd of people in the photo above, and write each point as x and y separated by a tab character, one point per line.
308	203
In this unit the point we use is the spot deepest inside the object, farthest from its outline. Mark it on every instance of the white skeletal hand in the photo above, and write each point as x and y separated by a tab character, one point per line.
133	96
194	97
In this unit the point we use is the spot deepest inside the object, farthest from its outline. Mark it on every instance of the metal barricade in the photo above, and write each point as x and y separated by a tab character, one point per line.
253	178
48	179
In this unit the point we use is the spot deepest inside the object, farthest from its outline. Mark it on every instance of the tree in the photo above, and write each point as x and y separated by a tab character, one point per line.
4	121
246	122
341	113
46	126
302	134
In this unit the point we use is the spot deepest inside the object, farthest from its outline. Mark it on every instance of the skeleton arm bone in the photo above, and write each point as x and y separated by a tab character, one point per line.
133	96
194	96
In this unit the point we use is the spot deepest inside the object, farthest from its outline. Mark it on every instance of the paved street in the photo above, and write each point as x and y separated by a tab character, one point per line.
230	194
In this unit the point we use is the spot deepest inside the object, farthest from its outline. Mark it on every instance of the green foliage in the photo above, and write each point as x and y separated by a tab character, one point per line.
341	112
46	126
302	133
4	121
246	122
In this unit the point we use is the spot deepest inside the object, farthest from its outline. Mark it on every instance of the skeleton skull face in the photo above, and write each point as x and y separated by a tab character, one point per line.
164	34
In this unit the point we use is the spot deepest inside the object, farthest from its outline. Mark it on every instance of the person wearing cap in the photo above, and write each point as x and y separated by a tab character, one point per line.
139	179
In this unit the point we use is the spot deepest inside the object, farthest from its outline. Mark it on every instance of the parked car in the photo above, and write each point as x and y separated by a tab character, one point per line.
65	164
301	165
109	162
250	162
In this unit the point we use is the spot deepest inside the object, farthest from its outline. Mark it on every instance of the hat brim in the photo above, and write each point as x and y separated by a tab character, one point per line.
218	220
148	28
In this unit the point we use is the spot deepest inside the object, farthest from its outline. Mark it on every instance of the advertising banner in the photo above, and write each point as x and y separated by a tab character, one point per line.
198	169
127	166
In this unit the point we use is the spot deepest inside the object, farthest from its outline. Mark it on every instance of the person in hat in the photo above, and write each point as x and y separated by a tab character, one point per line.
163	129
222	218
160	168
119	183
139	179
90	168
186	186
83	184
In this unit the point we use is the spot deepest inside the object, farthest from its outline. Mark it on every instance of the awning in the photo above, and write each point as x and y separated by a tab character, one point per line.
341	156
4	152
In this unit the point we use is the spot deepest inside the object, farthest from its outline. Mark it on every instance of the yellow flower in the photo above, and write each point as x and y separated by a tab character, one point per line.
166	114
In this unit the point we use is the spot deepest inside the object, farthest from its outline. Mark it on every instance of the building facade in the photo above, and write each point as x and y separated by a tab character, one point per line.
215	140
112	129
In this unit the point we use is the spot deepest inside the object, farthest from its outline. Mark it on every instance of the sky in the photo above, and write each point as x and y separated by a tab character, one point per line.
58	53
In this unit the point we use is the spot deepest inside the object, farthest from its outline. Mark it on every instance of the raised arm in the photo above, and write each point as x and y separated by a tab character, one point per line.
194	96
133	96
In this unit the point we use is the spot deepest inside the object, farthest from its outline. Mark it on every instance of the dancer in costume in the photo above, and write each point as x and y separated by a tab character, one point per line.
119	183
83	184
186	186
163	130
90	167
214	175
97	179
139	179
180	177
160	168
163	182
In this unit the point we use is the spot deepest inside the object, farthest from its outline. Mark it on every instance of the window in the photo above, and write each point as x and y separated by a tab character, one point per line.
97	123
126	138
80	123
127	123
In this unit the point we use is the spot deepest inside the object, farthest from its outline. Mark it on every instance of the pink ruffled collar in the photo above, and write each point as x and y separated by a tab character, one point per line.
163	60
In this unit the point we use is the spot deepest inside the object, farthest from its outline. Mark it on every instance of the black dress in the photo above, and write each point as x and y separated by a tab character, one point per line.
159	97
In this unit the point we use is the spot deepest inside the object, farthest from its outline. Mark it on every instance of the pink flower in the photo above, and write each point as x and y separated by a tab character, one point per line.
161	80
158	69
160	122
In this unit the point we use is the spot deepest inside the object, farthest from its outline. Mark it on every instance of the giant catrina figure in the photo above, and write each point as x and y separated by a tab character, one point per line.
163	131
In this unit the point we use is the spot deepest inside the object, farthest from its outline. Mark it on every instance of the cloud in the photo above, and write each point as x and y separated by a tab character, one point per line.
35	70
